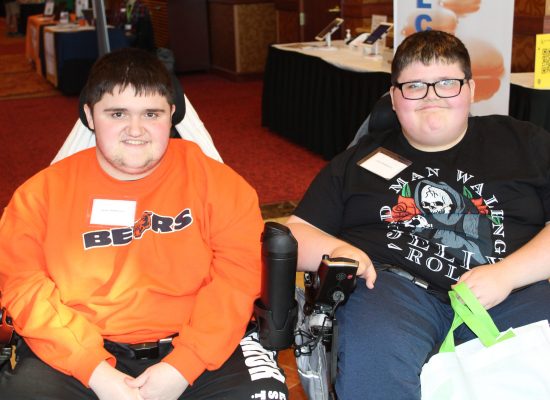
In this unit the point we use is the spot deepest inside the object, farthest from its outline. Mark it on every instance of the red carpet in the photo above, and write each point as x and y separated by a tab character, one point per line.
17	76
231	111
10	45
31	132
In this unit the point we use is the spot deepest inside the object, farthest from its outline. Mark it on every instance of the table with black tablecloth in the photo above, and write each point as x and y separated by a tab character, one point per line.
528	103
319	98
315	103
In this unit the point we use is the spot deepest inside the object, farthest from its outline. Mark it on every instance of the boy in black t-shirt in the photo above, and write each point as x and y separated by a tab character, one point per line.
445	198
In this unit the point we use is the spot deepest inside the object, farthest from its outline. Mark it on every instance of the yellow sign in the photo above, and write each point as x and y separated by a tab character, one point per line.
542	62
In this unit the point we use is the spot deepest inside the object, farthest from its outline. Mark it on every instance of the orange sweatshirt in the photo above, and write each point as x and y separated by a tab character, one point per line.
189	265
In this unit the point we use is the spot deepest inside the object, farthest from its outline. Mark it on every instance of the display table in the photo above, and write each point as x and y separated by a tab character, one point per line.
34	43
313	98
527	103
319	98
70	52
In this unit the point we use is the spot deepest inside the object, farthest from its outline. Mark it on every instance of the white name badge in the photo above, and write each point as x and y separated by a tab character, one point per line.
113	212
384	163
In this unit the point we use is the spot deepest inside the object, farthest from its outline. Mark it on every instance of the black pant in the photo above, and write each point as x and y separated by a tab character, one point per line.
32	379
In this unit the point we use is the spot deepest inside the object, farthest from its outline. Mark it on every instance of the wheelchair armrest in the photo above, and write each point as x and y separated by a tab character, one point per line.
6	335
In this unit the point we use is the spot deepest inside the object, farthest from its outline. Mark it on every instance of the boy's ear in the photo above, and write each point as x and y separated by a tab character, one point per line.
472	84
89	116
392	89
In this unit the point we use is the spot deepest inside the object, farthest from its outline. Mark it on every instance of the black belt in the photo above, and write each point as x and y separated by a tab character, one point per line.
140	351
439	293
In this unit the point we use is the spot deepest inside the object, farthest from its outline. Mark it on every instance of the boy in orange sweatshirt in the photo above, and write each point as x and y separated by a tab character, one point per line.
130	269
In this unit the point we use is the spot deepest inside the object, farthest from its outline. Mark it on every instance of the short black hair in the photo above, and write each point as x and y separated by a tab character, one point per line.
427	47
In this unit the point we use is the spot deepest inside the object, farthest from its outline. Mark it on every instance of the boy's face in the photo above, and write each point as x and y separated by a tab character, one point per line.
433	123
132	132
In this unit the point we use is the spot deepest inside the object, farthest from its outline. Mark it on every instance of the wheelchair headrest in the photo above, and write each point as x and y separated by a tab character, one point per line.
382	116
179	102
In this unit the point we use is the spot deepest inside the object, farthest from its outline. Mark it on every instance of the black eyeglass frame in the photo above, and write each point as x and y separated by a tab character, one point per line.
428	85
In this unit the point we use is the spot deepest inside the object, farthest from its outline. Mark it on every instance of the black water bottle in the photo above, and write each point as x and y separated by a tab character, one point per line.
276	310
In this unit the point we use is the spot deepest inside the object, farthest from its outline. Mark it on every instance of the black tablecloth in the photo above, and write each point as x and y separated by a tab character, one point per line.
530	105
316	104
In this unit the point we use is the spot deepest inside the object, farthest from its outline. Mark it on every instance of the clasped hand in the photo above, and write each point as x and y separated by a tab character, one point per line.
158	382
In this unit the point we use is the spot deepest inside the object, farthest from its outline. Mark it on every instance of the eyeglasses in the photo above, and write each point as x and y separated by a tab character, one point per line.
444	88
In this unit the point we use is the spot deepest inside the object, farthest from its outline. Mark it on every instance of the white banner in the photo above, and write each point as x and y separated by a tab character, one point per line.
485	27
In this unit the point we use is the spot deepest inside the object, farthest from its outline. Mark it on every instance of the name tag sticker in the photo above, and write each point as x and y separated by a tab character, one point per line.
113	212
384	163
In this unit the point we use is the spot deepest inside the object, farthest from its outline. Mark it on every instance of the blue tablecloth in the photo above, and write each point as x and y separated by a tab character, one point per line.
76	51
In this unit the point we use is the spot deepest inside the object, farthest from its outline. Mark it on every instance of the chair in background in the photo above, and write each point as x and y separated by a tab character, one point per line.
381	118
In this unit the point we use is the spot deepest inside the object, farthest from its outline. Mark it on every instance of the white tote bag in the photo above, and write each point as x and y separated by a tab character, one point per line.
507	366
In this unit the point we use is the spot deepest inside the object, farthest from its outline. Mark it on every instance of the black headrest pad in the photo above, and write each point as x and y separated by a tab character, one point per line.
382	116
179	102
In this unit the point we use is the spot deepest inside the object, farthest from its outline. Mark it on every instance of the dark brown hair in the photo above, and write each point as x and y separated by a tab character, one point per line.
427	47
128	67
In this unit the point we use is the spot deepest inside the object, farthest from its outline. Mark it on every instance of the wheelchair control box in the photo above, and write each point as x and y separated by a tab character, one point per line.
6	335
331	284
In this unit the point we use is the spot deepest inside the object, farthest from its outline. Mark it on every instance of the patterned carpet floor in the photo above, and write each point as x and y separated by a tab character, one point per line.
18	76
22	83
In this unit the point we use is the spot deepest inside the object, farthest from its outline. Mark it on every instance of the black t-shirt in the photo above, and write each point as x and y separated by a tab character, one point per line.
447	212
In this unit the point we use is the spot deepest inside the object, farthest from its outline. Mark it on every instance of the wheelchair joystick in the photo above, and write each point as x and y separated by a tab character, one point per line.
326	289
316	335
